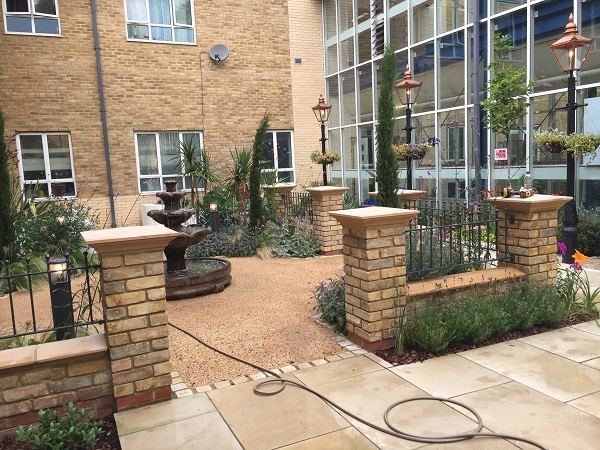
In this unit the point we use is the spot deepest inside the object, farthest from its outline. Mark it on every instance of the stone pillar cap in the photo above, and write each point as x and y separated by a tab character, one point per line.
129	239
322	191
535	203
373	217
281	187
404	194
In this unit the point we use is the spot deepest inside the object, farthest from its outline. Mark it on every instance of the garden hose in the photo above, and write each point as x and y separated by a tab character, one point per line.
391	430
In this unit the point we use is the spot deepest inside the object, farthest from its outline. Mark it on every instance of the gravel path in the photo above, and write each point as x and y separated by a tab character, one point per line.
264	316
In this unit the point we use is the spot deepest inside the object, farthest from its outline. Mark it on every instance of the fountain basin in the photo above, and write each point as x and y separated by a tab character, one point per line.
201	277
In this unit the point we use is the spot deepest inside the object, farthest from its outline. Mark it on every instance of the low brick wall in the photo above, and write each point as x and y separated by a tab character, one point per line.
51	375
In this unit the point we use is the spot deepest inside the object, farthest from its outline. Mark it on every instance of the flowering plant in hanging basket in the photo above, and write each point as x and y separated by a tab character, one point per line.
404	152
553	141
328	158
558	142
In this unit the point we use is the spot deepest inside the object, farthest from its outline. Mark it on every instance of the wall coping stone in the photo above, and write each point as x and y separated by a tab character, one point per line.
374	217
535	203
280	187
52	351
404	194
129	239
322	191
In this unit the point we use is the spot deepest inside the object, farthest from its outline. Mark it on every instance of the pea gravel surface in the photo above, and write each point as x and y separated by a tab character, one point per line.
264	316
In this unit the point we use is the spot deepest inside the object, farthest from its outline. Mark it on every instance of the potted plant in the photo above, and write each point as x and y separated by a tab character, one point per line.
328	158
558	142
405	152
553	141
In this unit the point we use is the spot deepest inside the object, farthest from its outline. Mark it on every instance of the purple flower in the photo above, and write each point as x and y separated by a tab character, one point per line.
562	247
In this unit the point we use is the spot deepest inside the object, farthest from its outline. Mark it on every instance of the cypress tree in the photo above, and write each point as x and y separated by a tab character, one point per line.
388	167
255	196
6	229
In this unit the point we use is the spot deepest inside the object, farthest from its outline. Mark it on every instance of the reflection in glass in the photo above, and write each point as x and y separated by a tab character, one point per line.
451	15
424	71
332	62
590	28
32	156
333	95
544	117
399	30
347	50
452	66
423	25
365	96
364	46
350	160
367	161
348	107
330	20
346	18
453	138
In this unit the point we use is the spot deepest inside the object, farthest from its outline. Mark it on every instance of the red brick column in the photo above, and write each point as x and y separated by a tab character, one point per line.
133	283
532	236
375	268
328	232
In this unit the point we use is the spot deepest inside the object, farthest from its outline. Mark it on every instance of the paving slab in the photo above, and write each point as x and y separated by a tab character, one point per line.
337	370
346	439
589	404
571	343
591	327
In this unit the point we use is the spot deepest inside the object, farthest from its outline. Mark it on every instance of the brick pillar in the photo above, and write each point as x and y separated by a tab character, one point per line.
133	283
532	236
375	268
328	232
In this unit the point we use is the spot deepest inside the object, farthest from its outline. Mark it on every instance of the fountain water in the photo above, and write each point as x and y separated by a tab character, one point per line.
204	276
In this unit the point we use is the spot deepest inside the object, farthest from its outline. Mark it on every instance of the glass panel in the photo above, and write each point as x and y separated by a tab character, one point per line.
137	31
148	159
590	28
59	156
334	146
286	176
179	185
423	25
170	158
136	10
399	30
424	132
332	61
545	116
365	95
160	11
36	190
348	107
45	6
46	26
347	55
363	11
482	58
330	22
17	6
364	46
184	35
161	34
268	154
453	138
150	184
424	72
451	15
333	94
499	6
350	160
18	24
346	19
452	67
63	189
32	156
548	26
284	150
183	12
515	26
367	161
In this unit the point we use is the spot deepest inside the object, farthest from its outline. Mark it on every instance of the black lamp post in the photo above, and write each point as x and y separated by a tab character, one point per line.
405	90
60	296
214	217
322	111
565	53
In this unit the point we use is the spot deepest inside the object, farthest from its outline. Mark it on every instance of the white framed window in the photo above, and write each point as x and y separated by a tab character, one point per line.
278	155
160	20
31	17
159	158
46	164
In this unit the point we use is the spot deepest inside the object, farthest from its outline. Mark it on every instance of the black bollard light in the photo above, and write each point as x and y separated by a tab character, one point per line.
60	296
214	218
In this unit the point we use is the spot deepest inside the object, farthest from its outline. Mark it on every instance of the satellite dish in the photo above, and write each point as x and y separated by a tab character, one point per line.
218	52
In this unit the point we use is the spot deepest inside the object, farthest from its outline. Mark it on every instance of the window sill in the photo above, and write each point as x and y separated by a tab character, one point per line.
148	41
17	33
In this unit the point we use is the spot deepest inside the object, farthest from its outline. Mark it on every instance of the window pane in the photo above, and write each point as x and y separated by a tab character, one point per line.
17	6
452	66
32	155
423	25
184	35
329	11
284	150
136	10
285	177
36	190
45	6
424	71
332	62
333	93
137	31
161	34
365	95
147	154
170	159
18	24
590	28
268	155
59	156
346	19
63	189
150	184
364	46
399	30
160	12
183	12
348	98
46	26
451	15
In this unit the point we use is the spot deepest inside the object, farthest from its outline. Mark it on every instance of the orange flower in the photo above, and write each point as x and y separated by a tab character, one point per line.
580	258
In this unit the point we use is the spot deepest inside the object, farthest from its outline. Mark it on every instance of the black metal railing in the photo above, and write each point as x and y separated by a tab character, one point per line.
454	238
74	300
298	204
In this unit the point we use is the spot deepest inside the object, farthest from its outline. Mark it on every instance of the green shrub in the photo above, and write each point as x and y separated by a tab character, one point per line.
77	430
297	240
588	229
331	302
231	241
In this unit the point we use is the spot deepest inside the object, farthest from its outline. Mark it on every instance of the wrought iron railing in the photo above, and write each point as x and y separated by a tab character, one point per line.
454	238
298	204
74	301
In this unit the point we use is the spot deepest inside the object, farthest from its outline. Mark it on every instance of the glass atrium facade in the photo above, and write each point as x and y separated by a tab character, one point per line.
436	39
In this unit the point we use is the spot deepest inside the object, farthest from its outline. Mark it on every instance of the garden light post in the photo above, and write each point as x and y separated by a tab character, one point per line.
565	53
322	111
60	296
408	91
214	217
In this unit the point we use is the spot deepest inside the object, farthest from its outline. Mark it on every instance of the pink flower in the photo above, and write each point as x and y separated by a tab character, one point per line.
562	247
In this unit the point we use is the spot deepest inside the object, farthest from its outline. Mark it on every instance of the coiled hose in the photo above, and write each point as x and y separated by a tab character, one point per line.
391	430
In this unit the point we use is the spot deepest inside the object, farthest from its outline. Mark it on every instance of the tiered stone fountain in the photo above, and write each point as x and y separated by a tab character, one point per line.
203	276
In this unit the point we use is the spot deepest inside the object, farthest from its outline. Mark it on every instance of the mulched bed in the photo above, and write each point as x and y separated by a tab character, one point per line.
109	440
412	355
